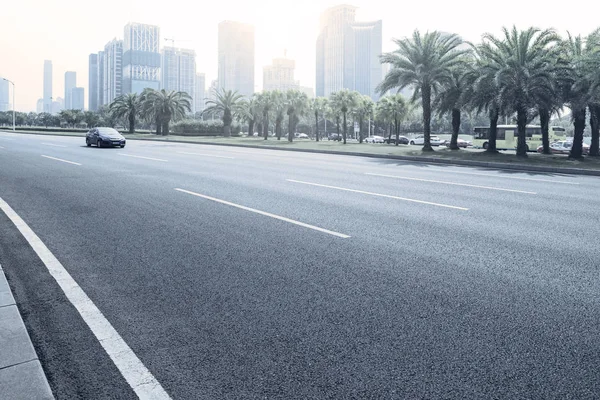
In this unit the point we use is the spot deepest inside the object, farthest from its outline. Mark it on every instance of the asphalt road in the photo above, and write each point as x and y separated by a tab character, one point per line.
357	278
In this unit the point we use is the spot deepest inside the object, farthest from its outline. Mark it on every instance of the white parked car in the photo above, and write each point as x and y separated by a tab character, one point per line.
434	140
374	139
302	136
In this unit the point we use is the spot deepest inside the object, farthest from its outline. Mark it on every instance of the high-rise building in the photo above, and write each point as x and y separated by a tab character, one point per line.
47	86
178	70
112	71
280	75
362	68
4	104
77	98
141	58
236	57
39	106
57	105
101	79
93	82
70	84
310	92
199	93
347	53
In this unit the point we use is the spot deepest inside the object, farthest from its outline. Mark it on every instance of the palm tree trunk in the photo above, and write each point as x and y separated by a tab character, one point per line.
494	115
131	122
391	127
360	129
251	127
266	126
521	132
166	127
579	125
544	122
317	124
426	100
397	130
595	126
345	128
278	127
455	129
337	125
158	126
290	130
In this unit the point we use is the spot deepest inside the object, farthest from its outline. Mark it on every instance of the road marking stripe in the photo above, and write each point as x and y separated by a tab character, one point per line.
450	183
379	195
203	154
55	145
1	147
502	176
61	160
133	370
145	158
291	221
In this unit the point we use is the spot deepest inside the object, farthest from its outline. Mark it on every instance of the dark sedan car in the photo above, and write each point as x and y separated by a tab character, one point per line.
392	140
102	137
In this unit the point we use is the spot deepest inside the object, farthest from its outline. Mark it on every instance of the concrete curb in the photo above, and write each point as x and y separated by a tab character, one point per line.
21	374
428	160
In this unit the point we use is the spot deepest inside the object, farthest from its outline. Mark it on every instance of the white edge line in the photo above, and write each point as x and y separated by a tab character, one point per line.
450	183
55	145
202	154
133	370
61	160
291	221
145	158
504	177
380	195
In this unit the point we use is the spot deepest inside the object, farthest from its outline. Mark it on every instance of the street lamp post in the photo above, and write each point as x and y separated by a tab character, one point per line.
13	101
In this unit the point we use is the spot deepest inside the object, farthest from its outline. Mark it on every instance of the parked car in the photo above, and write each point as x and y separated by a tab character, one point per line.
302	136
101	137
334	136
392	140
563	147
460	142
374	139
434	140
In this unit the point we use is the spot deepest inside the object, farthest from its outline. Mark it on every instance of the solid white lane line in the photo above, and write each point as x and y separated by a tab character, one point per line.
61	160
1	147
291	221
145	158
504	177
55	145
379	195
133	370
451	183
203	154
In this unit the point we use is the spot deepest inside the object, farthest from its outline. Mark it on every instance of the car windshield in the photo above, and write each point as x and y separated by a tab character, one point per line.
108	131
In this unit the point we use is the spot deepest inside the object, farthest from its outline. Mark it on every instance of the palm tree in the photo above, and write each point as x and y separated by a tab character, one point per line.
524	78
265	99
128	107
593	67
580	58
384	114
450	99
345	101
297	105
318	107
280	110
167	106
227	104
250	112
423	62
364	110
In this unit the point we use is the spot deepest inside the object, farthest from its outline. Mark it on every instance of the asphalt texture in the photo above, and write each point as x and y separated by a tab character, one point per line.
496	298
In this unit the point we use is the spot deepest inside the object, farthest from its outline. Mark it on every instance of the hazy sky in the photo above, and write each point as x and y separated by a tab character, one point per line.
67	31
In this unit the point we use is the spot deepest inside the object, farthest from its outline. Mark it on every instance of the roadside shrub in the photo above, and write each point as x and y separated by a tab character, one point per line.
192	127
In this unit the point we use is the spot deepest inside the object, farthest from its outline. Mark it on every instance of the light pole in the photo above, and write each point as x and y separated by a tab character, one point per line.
13	105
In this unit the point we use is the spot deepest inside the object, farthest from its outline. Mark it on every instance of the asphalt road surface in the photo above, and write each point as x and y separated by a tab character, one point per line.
238	273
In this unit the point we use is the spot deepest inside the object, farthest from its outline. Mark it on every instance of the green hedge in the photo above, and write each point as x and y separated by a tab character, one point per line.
192	127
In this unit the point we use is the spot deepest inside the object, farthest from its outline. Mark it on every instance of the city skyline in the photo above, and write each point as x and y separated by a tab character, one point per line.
65	38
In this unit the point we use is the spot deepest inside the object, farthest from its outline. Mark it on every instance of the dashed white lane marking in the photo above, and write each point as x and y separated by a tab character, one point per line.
379	195
1	147
204	154
291	221
145	158
61	160
450	183
52	144
133	370
503	176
